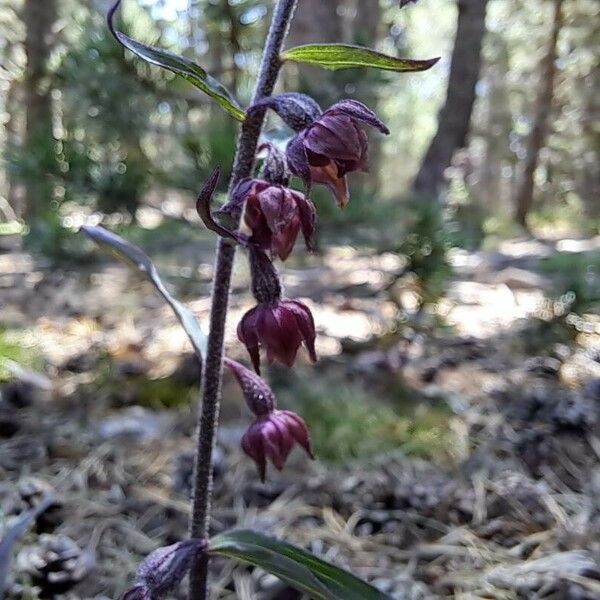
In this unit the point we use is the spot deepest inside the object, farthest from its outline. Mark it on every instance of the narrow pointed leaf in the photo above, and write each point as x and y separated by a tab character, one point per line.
136	258
180	65
303	571
345	56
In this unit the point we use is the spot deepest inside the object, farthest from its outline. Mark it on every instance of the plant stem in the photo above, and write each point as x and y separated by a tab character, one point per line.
212	368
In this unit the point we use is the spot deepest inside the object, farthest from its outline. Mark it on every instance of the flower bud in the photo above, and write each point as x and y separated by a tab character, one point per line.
272	437
258	395
274	169
297	111
162	570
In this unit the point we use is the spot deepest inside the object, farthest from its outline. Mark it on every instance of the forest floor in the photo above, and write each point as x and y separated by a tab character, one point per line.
459	449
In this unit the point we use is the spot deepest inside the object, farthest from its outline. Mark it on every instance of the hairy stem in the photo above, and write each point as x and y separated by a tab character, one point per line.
212	368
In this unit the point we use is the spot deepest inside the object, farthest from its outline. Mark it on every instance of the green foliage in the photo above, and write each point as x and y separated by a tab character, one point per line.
46	235
16	345
579	276
136	258
425	245
346	422
318	579
345	56
107	109
180	65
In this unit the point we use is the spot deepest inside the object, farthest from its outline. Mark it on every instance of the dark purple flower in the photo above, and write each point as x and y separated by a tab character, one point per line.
274	214
272	437
333	145
274	432
279	327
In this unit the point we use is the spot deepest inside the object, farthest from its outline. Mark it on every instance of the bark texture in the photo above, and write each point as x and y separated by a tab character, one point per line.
537	137
39	17
455	116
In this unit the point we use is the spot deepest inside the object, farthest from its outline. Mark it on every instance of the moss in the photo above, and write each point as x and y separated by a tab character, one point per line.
346	422
163	393
120	390
17	345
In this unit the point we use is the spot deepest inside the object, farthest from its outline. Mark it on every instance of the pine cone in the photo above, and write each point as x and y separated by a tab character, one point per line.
31	491
55	564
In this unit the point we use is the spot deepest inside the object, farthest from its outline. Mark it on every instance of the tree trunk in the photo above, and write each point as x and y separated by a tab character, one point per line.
455	115
316	22
38	17
537	137
352	22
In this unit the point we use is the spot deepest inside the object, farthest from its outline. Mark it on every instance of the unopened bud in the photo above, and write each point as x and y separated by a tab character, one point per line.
297	111
163	570
274	168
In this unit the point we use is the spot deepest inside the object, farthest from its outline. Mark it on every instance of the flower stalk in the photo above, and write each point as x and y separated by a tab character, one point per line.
213	365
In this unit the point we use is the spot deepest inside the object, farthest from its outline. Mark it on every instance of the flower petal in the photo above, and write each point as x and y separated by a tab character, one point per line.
306	325
298	160
334	136
247	334
338	186
308	216
357	110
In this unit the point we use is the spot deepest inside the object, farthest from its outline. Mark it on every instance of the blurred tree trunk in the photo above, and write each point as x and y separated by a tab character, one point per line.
455	116
492	188
317	21
13	103
38	18
365	21
235	47
589	179
537	137
352	22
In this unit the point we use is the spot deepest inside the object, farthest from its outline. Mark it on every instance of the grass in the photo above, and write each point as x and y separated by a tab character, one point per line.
16	345
346	422
578	275
155	394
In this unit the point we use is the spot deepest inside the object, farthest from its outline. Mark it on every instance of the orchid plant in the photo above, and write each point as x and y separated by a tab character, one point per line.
264	217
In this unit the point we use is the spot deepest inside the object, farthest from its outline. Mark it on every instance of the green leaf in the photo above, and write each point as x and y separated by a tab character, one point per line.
303	571
136	258
345	56
180	65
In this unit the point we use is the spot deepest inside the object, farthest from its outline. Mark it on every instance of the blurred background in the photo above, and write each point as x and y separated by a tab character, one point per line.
455	404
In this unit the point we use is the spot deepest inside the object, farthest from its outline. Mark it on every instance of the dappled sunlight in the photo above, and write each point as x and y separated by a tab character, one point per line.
386	212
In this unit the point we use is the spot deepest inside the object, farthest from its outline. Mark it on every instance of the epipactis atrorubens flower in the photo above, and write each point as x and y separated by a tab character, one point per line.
332	146
280	328
274	214
273	433
327	145
278	325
